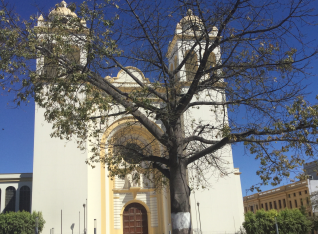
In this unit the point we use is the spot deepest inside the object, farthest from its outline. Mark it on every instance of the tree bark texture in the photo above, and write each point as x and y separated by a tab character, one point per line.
179	189
180	199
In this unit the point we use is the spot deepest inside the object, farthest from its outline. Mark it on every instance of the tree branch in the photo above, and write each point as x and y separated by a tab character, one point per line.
164	171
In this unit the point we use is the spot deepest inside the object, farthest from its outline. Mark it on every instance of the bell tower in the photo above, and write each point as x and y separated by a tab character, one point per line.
60	175
220	207
188	31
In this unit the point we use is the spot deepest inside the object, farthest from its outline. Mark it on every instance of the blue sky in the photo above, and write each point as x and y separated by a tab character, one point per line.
17	124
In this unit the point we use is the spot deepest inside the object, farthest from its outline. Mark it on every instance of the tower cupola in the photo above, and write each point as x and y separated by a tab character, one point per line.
61	10
189	23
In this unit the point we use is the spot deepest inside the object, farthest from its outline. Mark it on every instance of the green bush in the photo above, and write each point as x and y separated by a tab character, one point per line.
290	221
20	222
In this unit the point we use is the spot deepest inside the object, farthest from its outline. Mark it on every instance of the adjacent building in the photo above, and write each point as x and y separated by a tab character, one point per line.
290	196
15	192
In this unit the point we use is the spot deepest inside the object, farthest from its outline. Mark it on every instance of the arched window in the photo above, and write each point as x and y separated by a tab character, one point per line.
170	68
211	61
175	61
50	65
191	65
25	199
10	199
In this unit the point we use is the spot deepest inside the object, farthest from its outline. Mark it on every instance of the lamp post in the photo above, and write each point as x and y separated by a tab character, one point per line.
95	226
84	219
61	222
276	225
72	227
198	204
37	225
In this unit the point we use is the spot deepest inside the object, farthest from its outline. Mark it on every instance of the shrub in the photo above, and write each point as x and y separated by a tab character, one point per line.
290	221
20	222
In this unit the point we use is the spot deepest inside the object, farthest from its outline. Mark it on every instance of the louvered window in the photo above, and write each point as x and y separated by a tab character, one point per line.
211	61
191	65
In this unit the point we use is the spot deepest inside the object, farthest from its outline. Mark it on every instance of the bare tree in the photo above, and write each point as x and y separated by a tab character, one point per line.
248	58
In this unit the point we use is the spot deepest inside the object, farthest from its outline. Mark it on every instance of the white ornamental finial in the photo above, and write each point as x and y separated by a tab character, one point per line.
189	12
63	4
41	18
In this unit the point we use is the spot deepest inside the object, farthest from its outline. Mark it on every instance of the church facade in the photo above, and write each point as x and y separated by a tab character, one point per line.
75	198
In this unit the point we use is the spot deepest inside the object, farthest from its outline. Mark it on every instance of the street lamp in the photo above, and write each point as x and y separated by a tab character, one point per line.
95	226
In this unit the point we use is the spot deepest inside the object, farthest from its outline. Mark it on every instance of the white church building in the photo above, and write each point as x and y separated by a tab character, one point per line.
75	198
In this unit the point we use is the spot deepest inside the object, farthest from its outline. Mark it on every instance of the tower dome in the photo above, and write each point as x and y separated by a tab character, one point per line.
61	10
189	21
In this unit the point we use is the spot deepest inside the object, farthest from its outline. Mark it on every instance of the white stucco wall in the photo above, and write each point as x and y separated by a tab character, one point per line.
94	198
219	208
59	179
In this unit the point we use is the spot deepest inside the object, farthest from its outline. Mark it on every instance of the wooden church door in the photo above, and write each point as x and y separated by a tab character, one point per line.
135	219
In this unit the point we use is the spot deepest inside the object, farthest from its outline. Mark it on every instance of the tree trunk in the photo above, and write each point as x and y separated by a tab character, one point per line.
179	189
180	199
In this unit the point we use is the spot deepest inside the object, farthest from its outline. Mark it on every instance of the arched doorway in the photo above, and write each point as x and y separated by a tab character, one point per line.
135	219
